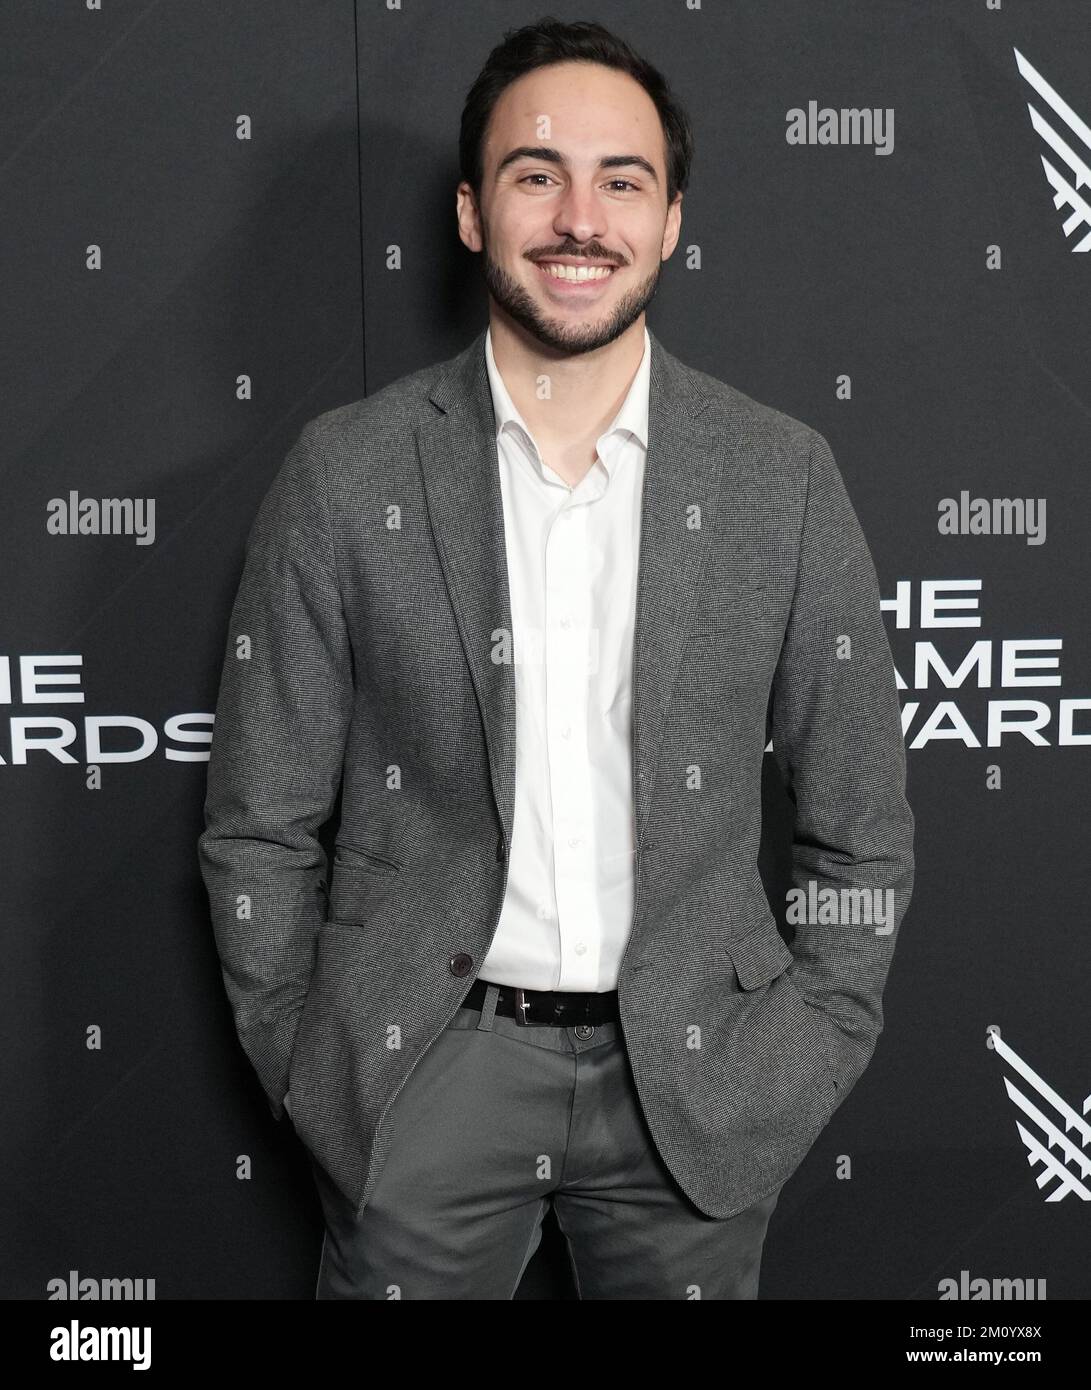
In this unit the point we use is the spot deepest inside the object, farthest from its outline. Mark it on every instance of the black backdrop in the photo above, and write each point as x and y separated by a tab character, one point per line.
245	285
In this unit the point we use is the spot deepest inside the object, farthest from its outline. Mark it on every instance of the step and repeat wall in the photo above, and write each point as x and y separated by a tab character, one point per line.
220	221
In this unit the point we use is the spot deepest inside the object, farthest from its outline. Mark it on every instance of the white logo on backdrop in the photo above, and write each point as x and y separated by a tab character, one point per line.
1069	138
1051	1120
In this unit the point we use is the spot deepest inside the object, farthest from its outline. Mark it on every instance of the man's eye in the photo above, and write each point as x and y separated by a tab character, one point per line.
627	183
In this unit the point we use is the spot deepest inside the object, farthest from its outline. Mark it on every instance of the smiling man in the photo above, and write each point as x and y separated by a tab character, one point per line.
537	611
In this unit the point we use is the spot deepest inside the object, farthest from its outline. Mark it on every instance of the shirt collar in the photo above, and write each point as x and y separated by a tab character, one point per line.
632	416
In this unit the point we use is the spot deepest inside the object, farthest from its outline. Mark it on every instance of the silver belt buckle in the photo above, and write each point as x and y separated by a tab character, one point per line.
521	1007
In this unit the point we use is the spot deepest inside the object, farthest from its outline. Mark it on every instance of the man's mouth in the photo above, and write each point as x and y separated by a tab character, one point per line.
576	272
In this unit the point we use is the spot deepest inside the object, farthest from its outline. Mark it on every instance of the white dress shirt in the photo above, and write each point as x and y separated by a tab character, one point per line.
572	572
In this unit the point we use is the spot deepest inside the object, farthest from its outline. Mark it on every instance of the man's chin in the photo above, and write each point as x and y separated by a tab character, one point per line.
576	339
571	335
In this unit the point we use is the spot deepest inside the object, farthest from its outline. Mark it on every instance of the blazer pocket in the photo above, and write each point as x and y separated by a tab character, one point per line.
759	957
352	857
360	879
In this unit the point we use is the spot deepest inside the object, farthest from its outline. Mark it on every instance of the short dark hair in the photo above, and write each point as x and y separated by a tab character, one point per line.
551	41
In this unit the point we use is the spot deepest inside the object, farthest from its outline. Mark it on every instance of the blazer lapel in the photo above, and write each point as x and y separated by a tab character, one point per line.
458	458
681	475
462	489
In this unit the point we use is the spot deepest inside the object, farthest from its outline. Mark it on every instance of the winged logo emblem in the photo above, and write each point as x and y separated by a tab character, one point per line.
1051	1130
1069	139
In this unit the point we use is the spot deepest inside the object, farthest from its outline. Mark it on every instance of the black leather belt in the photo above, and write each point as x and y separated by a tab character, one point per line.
556	1008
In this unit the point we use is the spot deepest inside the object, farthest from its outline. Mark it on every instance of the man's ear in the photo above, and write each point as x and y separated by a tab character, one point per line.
673	228
469	217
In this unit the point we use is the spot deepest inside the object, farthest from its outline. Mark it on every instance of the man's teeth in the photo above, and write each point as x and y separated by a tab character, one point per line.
572	272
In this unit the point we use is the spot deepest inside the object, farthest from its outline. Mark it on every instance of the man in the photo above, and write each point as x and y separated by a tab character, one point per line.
537	612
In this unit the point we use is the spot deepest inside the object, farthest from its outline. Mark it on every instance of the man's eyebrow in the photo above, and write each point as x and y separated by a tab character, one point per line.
552	156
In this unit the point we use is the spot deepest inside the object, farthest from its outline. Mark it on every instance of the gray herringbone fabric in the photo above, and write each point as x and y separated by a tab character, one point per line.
366	642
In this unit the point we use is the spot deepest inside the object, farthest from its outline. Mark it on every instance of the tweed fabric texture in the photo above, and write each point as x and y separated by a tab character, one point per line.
366	654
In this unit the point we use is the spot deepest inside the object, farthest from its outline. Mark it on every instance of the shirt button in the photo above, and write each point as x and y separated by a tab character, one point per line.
566	622
581	948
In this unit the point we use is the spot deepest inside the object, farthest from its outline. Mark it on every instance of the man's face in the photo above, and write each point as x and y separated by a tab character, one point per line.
549	200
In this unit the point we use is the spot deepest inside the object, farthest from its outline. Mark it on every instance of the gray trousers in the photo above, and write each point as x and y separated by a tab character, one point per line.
498	1120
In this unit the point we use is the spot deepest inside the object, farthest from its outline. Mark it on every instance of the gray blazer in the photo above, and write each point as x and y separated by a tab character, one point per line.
364	653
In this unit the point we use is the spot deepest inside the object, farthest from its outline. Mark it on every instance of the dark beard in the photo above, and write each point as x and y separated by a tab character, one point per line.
552	333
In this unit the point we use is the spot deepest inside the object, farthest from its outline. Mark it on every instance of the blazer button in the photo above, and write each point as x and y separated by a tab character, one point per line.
460	965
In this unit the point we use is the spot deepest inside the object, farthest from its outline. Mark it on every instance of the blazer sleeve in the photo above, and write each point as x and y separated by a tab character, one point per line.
837	739
282	718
